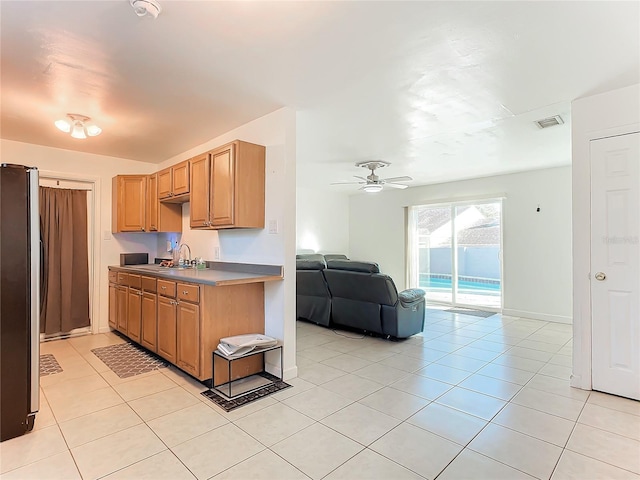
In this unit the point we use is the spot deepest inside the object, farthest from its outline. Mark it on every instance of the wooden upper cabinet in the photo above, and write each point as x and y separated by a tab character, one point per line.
174	181
180	178
235	189
223	185
152	203
129	198
164	183
199	169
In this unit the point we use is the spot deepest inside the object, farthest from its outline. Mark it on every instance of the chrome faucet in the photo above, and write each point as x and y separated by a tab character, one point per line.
187	263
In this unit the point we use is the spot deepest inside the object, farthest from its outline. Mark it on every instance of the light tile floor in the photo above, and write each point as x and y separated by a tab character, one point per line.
470	398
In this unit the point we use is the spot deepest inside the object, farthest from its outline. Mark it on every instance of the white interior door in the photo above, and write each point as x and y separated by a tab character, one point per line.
615	264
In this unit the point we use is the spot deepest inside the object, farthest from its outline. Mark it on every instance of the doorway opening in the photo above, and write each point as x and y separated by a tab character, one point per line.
88	185
455	253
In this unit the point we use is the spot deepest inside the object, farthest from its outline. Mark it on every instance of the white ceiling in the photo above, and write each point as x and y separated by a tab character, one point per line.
442	90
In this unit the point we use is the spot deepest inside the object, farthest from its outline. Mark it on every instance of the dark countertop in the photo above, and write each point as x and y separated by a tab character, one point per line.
219	273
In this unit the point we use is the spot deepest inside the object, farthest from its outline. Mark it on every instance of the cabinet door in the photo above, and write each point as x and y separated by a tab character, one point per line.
152	203
180	178
149	321
113	309
131	203
164	183
200	174
121	308
167	328
189	337
134	314
223	186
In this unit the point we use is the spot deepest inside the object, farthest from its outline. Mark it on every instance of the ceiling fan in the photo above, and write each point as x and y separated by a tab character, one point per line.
372	183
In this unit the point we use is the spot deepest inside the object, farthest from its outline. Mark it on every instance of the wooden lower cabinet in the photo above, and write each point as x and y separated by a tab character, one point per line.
113	309
149	321
184	322
188	327
167	309
134	314
121	308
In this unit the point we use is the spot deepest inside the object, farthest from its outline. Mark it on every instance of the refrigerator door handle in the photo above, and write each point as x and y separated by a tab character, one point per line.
34	237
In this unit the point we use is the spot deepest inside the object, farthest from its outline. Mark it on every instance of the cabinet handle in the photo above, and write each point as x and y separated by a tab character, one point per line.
184	292
163	287
142	228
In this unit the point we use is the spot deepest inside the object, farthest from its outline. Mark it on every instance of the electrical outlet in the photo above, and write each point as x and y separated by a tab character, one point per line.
106	235
216	253
273	226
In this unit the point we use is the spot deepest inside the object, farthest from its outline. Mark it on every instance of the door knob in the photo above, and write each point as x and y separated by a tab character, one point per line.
600	276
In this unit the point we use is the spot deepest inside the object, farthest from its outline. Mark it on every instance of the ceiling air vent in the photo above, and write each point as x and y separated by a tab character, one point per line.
549	121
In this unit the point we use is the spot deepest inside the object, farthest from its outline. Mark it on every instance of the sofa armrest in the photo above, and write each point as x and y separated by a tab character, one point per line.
411	296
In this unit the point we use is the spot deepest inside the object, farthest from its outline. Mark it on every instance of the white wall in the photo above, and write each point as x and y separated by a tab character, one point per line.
536	246
276	131
322	221
611	113
101	169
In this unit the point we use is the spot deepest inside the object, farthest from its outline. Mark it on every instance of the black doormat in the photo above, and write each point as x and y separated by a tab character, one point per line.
228	405
128	359
475	313
49	365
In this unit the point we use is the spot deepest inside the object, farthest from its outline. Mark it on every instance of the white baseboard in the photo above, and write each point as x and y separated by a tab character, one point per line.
106	329
290	373
538	316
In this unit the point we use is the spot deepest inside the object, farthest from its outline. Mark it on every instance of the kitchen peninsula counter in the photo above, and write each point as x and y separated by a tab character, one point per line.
218	273
182	313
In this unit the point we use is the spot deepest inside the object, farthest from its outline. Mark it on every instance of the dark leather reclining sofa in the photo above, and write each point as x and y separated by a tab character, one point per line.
335	291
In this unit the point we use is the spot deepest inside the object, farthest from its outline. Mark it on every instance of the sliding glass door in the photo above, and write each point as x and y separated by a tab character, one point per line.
455	253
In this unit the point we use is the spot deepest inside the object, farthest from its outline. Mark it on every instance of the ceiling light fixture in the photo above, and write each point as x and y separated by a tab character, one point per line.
144	7
79	126
372	188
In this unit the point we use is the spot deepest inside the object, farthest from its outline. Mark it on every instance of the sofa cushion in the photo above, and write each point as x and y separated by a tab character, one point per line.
353	266
310	264
335	256
411	295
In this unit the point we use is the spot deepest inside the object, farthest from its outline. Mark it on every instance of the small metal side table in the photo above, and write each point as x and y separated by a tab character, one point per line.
230	359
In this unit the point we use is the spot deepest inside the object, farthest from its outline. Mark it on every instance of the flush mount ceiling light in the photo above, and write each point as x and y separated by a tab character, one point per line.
79	126
146	7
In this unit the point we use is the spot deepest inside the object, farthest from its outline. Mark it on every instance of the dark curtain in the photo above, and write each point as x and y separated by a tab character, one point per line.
65	275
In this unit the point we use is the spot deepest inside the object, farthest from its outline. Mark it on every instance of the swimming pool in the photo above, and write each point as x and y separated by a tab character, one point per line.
466	285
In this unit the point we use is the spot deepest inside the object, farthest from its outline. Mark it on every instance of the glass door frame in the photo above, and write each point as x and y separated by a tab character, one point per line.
413	268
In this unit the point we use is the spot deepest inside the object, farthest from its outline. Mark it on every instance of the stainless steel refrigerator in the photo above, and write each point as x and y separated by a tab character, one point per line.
19	300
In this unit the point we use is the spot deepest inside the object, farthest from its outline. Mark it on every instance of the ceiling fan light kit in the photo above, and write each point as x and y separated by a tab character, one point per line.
372	183
79	126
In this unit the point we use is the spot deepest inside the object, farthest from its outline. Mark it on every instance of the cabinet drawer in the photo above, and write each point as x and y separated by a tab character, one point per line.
188	292
166	288
123	278
149	284
135	281
113	277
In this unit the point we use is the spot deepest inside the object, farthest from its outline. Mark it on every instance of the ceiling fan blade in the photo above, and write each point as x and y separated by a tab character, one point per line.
361	178
395	185
347	183
398	179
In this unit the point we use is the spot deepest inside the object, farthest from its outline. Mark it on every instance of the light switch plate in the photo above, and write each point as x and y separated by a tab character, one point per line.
273	226
106	235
